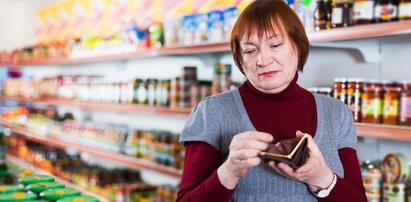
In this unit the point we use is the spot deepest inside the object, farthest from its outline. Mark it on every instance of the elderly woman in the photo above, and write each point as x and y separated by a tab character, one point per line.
225	134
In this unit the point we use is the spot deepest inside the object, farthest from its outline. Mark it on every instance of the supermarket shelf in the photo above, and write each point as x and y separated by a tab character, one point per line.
129	161
21	163
362	31
338	34
130	108
400	133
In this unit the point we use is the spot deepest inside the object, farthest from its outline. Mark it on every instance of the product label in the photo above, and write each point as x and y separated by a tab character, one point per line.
337	16
404	10
390	107
371	107
405	108
363	10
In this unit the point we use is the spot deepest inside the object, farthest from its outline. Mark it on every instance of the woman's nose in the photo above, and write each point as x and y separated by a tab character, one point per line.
264	58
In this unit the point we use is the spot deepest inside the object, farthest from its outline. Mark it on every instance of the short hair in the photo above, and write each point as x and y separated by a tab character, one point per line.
264	16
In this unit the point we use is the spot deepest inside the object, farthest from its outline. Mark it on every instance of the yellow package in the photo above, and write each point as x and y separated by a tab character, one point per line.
79	18
40	28
213	5
62	15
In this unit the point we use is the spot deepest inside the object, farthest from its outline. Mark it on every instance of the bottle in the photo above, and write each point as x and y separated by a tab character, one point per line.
385	11
340	90
405	106
404	10
322	15
363	12
390	103
371	108
354	90
342	13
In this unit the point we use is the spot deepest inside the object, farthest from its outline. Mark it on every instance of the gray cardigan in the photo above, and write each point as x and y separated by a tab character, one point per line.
217	118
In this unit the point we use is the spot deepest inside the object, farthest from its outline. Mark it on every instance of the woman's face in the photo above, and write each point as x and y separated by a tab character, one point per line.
270	62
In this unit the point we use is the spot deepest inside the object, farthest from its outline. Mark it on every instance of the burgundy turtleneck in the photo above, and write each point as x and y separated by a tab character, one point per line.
280	114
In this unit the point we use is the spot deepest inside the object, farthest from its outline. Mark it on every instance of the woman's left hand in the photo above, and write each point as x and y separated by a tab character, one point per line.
315	172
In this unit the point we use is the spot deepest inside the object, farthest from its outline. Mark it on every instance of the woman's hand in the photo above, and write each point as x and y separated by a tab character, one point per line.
243	154
315	172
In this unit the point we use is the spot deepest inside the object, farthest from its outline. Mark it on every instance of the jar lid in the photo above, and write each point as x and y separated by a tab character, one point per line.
312	89
55	194
17	196
31	179
43	186
79	199
5	189
340	80
355	80
325	89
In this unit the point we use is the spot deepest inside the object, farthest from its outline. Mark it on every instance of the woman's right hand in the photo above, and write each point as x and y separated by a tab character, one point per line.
243	154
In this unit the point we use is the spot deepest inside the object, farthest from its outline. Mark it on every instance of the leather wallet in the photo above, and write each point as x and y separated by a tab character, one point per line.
294	151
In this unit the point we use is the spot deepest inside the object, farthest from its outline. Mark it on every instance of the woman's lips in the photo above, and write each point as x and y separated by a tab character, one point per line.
269	73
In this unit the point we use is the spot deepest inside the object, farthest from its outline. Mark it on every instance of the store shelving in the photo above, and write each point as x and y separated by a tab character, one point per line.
338	34
381	131
36	170
391	132
129	161
129	108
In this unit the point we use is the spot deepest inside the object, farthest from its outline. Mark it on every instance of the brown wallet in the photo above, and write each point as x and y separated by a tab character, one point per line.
294	151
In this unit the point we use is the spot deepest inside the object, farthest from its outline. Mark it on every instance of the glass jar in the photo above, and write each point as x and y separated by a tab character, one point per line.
372	179
354	90
363	12
322	15
385	11
405	106
342	13
371	106
340	91
404	10
390	103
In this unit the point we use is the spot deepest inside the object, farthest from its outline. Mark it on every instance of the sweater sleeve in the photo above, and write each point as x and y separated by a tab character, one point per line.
349	188
200	180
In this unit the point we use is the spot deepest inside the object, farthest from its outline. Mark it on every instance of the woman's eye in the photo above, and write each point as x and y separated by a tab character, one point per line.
248	51
276	45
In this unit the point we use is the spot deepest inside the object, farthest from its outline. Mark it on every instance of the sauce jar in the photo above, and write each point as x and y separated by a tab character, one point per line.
354	90
363	12
342	13
405	106
371	106
322	15
390	103
340	91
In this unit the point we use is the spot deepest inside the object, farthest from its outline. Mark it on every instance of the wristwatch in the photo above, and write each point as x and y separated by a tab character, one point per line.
325	192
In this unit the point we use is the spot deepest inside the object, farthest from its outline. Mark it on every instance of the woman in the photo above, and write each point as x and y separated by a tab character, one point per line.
226	132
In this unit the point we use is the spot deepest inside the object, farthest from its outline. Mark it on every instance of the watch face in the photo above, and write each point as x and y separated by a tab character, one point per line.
323	193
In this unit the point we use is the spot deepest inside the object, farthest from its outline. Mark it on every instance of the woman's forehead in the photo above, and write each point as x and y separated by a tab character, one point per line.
257	36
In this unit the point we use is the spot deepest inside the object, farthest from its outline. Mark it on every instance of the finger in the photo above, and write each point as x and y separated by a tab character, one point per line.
247	153
278	170
253	144
264	137
288	170
299	133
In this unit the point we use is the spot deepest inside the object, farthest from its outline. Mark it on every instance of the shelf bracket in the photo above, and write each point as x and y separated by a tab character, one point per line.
369	49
